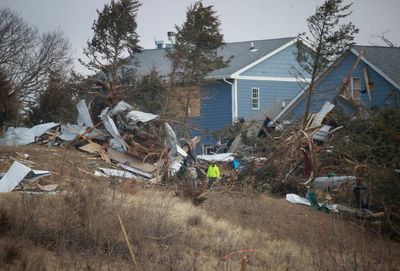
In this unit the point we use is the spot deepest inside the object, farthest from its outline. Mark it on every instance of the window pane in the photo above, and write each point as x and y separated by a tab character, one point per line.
255	98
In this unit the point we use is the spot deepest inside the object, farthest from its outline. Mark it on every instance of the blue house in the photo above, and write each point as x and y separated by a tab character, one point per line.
373	81
257	81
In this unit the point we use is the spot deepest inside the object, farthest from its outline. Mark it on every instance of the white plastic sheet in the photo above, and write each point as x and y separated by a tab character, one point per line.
18	172
322	113
111	128
107	172
13	177
220	157
322	133
120	107
24	136
84	118
293	198
20	135
140	116
136	171
171	139
70	131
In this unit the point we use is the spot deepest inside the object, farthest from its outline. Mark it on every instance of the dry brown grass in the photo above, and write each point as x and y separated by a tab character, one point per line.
165	233
78	229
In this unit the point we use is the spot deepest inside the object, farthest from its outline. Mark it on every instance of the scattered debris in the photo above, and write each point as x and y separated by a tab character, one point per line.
220	157
110	172
293	198
330	182
17	173
22	136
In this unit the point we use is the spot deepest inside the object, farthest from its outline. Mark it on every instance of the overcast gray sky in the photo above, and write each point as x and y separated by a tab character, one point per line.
240	20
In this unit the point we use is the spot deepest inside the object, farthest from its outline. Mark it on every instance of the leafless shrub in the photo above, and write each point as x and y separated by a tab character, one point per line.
5	221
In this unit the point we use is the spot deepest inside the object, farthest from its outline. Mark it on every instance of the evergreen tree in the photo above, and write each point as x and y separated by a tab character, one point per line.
56	102
195	52
149	93
114	39
329	37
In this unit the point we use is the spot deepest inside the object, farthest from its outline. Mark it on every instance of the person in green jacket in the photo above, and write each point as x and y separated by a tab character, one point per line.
212	174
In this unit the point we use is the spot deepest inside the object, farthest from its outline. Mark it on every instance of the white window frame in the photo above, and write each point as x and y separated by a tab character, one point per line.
254	98
207	147
352	88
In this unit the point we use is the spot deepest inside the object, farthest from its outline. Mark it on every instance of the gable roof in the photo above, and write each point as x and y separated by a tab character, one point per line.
238	52
386	59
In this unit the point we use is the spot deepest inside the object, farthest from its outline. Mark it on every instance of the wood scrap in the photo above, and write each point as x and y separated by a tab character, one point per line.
92	147
129	160
105	156
367	82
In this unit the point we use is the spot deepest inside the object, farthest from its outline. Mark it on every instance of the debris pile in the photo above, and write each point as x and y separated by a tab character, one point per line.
316	160
141	145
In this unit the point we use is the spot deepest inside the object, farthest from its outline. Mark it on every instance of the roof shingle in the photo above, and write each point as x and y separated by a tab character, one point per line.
387	59
238	52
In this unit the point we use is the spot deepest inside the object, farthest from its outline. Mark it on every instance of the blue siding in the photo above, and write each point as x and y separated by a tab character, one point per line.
278	65
381	93
272	93
215	112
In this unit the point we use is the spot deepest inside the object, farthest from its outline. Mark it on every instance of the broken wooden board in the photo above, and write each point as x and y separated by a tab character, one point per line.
366	79
92	147
105	156
129	160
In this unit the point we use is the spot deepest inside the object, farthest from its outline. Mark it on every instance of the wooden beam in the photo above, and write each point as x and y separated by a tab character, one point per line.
367	82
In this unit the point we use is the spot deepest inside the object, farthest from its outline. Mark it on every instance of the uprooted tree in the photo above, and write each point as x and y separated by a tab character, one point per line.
114	40
329	38
27	58
195	53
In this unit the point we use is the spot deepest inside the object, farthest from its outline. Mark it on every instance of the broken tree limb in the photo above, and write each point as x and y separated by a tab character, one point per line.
158	164
126	237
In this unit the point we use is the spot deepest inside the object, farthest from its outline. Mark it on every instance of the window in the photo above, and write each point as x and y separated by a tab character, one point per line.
255	98
355	88
208	149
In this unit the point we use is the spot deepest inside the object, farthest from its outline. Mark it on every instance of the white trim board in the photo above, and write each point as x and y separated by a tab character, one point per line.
236	114
269	78
235	74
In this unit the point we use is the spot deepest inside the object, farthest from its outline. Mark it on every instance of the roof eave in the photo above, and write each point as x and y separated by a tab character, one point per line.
375	68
